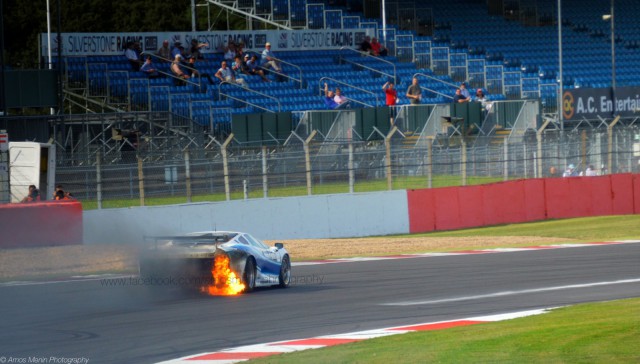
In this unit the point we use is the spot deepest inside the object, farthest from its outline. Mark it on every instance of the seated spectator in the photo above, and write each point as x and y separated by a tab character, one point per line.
225	74
269	61
193	70
149	70
365	46
133	56
590	172
240	49
164	52
177	70
483	100
239	66
254	67
458	98
177	49
194	50
375	47
33	195
340	99
329	99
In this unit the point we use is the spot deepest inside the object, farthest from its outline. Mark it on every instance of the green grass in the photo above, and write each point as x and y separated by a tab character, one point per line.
399	183
590	229
605	332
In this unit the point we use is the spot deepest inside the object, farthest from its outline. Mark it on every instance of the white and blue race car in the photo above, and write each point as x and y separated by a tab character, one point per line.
215	260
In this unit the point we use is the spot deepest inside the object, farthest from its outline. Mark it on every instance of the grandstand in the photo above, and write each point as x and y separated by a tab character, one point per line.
508	48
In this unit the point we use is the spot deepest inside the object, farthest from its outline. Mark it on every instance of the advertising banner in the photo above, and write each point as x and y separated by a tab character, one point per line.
104	44
591	103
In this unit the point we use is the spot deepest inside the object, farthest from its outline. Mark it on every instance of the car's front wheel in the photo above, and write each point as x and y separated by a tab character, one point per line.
249	276
285	273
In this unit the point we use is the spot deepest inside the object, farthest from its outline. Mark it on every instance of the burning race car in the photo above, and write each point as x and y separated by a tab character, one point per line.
216	262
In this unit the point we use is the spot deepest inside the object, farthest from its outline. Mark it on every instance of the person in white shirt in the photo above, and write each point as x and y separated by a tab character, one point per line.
225	74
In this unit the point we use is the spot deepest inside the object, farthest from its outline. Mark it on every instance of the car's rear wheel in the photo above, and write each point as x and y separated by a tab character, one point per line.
285	273
249	276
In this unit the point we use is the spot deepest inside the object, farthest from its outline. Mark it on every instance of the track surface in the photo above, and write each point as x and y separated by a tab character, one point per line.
124	324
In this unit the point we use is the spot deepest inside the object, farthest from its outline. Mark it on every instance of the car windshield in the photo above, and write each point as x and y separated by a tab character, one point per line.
255	242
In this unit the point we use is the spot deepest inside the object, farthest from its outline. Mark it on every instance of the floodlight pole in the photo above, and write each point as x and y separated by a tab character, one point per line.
613	49
561	85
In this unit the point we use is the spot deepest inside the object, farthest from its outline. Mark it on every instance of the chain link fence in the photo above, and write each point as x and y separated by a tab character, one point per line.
300	168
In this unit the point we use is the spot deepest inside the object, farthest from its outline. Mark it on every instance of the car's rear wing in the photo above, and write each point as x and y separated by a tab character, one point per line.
190	239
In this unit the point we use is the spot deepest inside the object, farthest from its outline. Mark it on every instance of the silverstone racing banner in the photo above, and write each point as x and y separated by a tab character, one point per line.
100	44
591	103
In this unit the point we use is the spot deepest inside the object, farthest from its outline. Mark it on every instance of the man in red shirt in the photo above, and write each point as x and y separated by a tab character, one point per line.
391	96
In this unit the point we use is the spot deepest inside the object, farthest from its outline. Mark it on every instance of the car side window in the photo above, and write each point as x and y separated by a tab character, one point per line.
242	240
255	242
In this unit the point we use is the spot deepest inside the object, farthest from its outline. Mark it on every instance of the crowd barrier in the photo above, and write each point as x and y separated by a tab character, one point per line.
24	225
522	201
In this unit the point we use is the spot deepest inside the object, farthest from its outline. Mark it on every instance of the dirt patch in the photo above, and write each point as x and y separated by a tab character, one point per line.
339	248
90	259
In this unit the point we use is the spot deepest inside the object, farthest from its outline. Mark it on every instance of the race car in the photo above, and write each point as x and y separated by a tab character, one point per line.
218	262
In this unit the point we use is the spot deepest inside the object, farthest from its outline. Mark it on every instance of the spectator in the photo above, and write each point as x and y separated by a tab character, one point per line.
375	47
340	99
269	61
176	70
590	171
193	70
483	100
329	100
458	98
570	171
133	56
240	49
365	46
148	69
194	50
225	74
553	172
254	68
414	92
177	49
33	195
230	52
164	52
239	66
390	93
464	92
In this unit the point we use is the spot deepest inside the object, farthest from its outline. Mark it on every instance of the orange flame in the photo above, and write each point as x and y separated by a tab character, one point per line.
226	282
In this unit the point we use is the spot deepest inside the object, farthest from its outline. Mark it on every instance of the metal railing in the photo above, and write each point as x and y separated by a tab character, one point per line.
368	56
282	74
246	89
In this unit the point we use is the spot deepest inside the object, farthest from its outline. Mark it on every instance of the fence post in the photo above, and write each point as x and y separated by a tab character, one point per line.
141	181
187	172
265	180
307	160
225	166
610	143
387	162
463	165
351	171
99	179
506	160
430	162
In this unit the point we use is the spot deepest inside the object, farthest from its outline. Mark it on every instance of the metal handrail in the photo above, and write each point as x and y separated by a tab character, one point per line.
352	86
299	80
199	83
436	79
365	54
220	93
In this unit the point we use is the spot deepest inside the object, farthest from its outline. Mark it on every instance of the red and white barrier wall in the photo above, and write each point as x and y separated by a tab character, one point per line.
522	201
25	225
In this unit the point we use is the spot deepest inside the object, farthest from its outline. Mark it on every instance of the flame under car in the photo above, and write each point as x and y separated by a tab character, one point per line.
215	262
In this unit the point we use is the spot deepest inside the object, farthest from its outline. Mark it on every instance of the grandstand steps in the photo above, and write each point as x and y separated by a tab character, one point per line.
499	136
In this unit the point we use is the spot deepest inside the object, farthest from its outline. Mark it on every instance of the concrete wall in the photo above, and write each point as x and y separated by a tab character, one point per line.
322	216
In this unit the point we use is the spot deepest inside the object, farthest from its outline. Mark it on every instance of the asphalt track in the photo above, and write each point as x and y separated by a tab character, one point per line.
123	324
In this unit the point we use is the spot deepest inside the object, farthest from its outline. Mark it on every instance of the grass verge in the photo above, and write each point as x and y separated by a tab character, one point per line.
604	332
